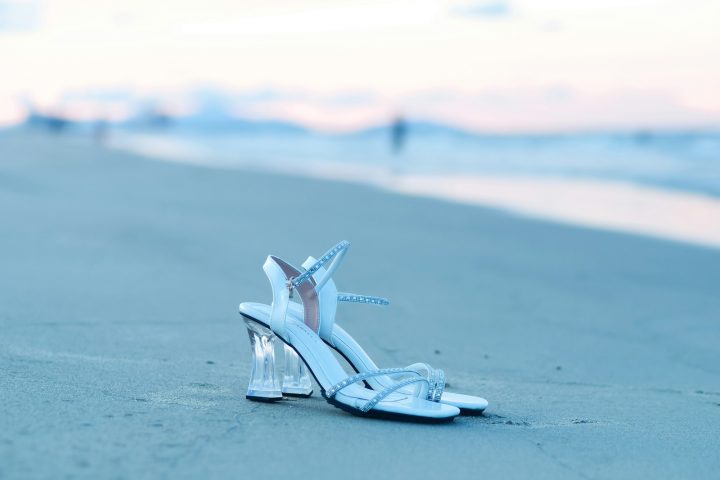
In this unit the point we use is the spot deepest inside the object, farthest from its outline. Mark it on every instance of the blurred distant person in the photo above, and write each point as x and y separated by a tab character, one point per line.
642	137
100	130
398	134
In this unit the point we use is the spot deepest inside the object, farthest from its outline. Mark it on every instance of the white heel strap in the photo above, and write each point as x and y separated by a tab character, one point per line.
325	287
280	273
284	278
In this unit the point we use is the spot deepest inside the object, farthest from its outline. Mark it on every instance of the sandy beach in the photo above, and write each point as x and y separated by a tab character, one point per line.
122	354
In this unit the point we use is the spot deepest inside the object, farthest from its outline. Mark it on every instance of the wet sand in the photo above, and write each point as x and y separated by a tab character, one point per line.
122	354
615	206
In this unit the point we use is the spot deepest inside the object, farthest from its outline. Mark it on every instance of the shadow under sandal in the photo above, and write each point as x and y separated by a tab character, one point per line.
336	337
404	399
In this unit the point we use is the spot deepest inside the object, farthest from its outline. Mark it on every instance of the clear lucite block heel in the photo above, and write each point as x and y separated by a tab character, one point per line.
264	383
296	379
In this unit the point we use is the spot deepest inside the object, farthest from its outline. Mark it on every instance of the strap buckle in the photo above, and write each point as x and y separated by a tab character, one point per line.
290	286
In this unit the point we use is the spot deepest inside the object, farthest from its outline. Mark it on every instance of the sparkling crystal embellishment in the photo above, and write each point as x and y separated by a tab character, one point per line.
351	297
323	260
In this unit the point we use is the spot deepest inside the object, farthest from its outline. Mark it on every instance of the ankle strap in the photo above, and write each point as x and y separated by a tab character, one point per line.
328	295
338	250
354	298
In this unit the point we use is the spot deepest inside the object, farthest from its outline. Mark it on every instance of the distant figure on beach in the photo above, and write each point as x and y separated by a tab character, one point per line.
398	133
100	130
643	137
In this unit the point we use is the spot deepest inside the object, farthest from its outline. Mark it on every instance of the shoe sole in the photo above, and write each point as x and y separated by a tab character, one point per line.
387	415
263	399
298	395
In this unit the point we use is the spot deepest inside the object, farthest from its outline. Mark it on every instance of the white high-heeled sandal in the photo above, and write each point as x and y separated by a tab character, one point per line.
354	354
404	399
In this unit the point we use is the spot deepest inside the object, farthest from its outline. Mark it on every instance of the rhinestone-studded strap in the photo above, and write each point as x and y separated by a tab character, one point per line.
329	255
416	377
384	393
435	378
372	373
354	298
436	381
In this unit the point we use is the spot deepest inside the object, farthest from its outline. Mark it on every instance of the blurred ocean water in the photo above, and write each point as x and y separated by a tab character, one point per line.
677	161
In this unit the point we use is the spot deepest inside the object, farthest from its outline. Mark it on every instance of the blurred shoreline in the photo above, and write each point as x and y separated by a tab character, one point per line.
671	202
673	215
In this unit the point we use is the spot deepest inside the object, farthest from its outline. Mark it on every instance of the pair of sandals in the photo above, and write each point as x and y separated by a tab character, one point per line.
309	332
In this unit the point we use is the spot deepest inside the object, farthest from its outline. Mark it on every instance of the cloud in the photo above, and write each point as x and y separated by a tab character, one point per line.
18	16
497	9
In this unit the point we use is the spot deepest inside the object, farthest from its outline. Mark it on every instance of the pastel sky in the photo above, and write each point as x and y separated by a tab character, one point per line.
525	65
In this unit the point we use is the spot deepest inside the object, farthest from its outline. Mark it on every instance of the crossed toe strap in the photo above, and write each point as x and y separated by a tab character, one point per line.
415	377
435	378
